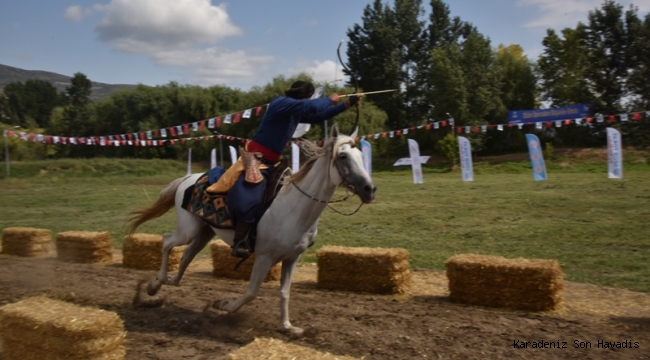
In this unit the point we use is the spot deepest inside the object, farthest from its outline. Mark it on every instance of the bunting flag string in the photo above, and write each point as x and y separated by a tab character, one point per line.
172	135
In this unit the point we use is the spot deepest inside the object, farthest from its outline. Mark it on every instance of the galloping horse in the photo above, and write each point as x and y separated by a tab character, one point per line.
284	231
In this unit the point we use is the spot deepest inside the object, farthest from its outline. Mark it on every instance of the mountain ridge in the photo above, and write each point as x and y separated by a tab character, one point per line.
10	74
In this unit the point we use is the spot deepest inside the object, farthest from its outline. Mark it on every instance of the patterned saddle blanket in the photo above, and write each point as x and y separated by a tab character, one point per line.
209	207
212	207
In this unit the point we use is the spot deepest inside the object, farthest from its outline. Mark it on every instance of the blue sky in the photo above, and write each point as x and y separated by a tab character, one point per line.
239	44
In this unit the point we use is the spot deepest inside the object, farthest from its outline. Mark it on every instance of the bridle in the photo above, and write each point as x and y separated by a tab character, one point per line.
343	182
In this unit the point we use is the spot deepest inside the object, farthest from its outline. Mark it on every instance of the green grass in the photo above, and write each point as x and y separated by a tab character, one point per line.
597	228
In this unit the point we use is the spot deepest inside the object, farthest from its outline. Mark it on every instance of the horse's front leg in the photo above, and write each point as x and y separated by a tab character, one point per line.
190	253
288	267
261	267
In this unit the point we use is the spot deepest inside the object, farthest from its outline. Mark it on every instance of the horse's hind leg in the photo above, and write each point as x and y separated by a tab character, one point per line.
190	252
170	240
288	267
188	228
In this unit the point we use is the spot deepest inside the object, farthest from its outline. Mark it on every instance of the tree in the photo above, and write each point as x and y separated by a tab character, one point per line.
77	113
29	104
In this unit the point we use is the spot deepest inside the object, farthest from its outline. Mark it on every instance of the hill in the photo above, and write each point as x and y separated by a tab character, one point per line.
9	74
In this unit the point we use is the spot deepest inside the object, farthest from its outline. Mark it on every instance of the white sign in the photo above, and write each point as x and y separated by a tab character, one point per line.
465	150
416	165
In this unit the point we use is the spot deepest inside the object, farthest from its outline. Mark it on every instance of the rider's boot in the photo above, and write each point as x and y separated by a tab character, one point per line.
240	247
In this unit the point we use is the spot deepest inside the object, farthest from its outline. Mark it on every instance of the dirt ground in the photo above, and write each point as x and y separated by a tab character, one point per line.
422	324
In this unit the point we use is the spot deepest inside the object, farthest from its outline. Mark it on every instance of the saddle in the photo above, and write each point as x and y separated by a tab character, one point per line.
211	207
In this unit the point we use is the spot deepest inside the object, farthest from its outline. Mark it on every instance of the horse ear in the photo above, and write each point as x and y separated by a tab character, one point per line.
354	133
335	131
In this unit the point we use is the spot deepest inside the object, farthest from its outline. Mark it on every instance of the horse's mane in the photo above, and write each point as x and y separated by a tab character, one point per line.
313	152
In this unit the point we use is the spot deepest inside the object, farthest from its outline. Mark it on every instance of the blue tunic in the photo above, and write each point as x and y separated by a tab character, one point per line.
283	115
278	124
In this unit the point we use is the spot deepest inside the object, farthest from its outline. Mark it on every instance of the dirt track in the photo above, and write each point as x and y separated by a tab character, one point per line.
422	324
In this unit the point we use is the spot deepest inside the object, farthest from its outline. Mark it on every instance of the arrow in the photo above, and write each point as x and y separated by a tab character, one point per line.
369	93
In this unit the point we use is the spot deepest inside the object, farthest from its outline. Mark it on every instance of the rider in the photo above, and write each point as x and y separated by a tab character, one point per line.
282	116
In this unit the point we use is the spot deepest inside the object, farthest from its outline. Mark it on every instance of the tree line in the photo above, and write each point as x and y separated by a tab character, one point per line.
443	67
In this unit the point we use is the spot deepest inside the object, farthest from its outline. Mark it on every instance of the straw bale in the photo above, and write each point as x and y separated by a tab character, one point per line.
371	270
24	241
223	264
18	351
40	327
274	349
84	247
144	251
494	281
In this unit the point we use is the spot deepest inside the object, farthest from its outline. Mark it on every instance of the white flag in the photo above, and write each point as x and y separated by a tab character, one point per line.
614	154
416	166
233	154
295	157
465	150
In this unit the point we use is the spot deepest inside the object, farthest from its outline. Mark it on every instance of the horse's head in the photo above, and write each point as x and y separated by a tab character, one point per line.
346	168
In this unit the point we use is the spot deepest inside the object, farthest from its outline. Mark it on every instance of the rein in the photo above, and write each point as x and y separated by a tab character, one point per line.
328	202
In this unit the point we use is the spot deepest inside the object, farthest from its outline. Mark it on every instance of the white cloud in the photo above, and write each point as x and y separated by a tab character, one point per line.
320	71
559	14
179	33
77	13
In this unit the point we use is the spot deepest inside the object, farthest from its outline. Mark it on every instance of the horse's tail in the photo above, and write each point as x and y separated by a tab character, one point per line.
165	201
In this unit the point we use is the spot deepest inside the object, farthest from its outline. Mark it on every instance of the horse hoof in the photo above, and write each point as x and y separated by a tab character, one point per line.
220	304
153	287
294	332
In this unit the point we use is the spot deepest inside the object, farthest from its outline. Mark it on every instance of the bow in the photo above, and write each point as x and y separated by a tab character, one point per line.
356	83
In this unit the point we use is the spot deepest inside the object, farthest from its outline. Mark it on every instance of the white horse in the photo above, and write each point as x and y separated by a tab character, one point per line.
285	230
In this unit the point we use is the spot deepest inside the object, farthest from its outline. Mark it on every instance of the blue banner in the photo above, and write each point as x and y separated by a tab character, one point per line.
561	113
366	152
536	157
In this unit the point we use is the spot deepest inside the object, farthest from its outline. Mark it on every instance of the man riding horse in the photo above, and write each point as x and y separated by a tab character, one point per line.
261	156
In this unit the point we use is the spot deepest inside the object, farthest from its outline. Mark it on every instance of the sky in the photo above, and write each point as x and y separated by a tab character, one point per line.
238	44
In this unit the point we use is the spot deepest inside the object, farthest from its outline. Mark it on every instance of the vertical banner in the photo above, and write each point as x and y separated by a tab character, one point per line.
295	157
233	154
189	161
213	158
366	152
416	166
536	157
465	150
614	154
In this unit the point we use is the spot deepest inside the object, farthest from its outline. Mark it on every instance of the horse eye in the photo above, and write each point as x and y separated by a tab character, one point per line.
343	156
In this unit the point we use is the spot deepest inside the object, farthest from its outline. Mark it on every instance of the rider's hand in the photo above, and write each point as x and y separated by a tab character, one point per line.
353	100
335	98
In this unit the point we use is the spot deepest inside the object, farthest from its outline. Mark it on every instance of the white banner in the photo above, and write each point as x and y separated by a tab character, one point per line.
614	154
213	158
465	150
366	153
416	166
295	157
233	154
189	161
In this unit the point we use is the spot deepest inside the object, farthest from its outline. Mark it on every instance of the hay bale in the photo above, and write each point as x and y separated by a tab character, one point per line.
84	247
24	241
494	281
223	264
268	348
144	252
42	328
371	270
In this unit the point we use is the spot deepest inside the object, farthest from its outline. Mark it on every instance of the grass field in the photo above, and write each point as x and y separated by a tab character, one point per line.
597	228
